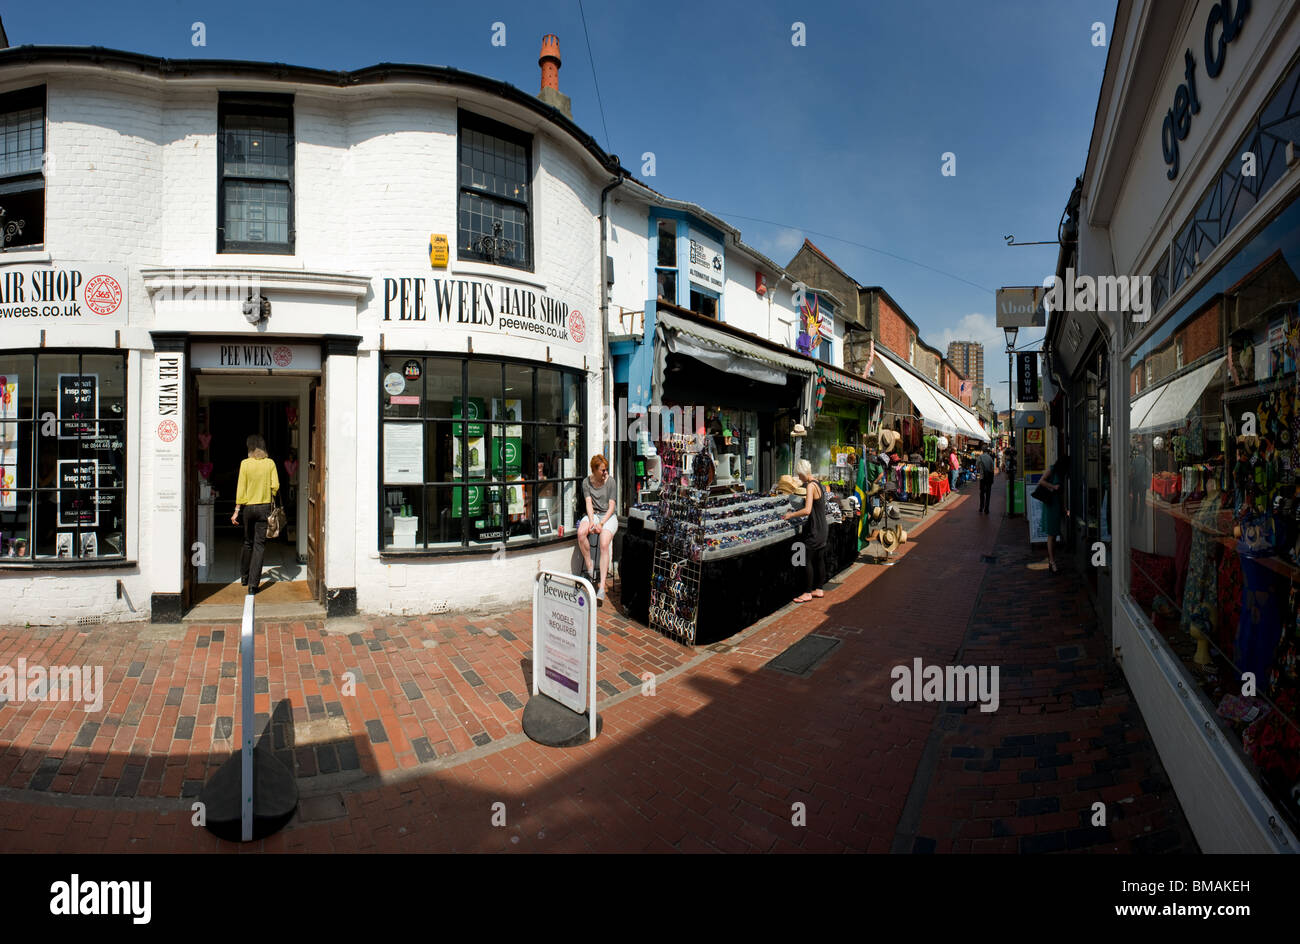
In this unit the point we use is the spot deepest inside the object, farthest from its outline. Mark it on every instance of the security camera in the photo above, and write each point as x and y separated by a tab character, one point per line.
257	308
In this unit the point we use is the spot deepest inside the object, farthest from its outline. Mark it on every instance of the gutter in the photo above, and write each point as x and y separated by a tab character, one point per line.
607	375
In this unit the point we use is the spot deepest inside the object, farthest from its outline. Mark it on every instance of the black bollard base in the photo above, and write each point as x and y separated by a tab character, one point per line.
548	722
275	797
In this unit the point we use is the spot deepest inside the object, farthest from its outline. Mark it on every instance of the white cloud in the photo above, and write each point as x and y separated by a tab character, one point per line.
779	245
981	327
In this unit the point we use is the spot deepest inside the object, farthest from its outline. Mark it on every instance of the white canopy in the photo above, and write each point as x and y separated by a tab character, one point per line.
1169	404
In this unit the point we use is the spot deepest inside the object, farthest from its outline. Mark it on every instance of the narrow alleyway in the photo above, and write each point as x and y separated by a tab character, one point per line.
720	757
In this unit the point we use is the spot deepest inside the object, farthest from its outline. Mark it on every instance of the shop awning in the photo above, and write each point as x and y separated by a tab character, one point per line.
936	407
916	390
722	351
846	385
1169	404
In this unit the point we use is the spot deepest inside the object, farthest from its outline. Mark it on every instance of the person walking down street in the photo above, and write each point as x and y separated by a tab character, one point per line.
987	467
1053	481
814	509
954	466
258	484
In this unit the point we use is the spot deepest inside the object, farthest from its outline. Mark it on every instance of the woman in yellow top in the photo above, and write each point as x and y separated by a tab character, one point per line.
258	484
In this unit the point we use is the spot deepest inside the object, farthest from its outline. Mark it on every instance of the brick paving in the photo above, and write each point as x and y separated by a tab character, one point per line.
426	752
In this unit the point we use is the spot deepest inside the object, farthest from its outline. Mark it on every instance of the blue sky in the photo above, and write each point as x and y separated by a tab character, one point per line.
842	136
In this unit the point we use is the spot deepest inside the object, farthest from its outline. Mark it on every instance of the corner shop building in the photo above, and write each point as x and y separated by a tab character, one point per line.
423	418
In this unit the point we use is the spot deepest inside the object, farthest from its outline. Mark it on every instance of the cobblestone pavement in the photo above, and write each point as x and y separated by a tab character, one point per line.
405	734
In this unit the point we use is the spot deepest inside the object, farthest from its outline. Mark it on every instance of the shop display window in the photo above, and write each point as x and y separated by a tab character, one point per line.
1213	496
62	456
477	452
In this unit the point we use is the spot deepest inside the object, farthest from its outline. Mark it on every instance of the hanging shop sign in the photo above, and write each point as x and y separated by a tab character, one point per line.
705	264
1021	307
74	293
255	355
1027	377
444	305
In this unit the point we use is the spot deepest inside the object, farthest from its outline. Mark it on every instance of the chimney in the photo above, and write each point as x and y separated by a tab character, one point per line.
550	63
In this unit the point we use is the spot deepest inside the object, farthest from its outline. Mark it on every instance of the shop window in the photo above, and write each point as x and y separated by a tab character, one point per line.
1212	493
703	303
496	169
478	453
22	179
62	456
255	163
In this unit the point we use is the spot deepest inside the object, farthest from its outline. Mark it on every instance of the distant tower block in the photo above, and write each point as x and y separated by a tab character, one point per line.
550	63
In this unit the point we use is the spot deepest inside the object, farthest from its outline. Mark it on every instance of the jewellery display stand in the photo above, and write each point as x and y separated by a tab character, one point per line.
675	577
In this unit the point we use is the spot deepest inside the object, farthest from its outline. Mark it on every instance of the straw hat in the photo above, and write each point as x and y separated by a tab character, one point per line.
799	430
876	512
789	485
891	538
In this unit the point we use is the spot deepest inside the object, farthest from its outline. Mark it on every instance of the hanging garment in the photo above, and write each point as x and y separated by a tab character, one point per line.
1261	619
1201	590
1231	589
931	448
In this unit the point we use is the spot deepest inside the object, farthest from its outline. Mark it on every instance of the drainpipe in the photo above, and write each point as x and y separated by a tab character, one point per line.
607	375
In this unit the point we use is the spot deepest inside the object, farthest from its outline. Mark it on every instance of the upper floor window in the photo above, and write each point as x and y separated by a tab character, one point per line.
494	218
255	174
666	261
702	303
22	181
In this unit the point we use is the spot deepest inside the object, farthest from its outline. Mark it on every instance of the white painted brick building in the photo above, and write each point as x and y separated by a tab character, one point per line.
133	158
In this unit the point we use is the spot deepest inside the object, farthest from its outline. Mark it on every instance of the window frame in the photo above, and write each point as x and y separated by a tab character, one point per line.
20	100
257	104
30	426
532	427
496	129
659	267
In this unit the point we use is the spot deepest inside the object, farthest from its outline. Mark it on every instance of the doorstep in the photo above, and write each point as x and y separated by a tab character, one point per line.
221	612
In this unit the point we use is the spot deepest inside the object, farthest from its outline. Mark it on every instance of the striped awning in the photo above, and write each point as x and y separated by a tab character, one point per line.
843	384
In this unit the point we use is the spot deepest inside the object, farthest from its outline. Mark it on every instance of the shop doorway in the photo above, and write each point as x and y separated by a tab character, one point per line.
228	409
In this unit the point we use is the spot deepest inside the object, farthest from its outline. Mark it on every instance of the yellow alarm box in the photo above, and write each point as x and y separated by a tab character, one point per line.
438	251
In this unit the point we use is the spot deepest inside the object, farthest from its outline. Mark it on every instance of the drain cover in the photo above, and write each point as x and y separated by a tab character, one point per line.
804	656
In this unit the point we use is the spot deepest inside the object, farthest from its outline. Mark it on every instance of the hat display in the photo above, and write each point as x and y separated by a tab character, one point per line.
789	485
891	538
799	430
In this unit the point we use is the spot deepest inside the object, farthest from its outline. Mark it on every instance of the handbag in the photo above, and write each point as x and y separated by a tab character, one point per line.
275	521
1042	493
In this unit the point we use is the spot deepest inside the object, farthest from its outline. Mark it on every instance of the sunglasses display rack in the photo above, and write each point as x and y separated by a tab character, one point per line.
675	574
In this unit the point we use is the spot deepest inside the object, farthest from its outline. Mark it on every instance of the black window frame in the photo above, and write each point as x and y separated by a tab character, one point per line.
468	544
467	120
30	429
25	182
255	104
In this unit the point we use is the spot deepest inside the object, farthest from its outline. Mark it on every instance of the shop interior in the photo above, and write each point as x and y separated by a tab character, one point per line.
227	413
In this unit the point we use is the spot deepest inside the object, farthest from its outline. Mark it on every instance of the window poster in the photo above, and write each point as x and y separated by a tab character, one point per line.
403	453
78	401
476	446
78	497
8	443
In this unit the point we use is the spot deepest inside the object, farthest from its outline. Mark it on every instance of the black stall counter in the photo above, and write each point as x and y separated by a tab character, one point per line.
738	589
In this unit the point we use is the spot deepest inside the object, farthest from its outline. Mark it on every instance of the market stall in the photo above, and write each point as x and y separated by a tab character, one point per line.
685	557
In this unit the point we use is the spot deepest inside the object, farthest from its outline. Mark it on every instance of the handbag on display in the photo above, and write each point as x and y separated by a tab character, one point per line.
275	521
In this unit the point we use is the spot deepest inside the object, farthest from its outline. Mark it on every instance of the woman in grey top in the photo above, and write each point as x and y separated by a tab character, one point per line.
598	498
